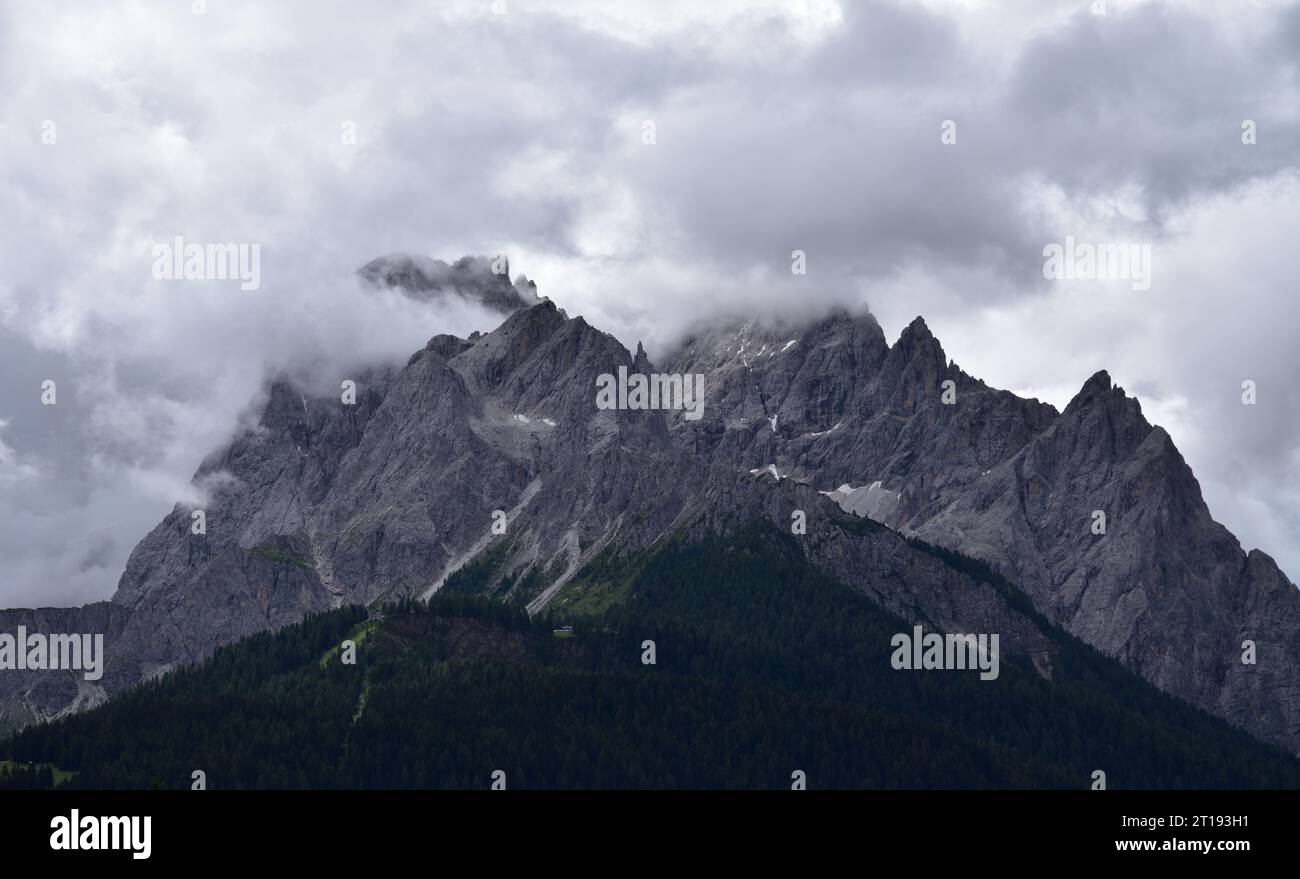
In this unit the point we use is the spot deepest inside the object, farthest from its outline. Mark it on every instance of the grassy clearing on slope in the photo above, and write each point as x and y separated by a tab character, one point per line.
357	635
60	775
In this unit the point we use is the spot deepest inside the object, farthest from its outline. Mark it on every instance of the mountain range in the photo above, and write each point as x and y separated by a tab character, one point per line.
484	462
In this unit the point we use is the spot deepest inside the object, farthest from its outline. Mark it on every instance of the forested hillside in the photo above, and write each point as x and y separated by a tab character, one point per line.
762	668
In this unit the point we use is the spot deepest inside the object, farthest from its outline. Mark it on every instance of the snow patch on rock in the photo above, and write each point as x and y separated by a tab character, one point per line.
872	501
825	432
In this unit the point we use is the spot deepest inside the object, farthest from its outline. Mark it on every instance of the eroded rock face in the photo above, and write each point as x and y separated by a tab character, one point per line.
323	503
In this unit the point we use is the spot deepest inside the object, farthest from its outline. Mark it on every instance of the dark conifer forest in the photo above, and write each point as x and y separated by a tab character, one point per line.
763	669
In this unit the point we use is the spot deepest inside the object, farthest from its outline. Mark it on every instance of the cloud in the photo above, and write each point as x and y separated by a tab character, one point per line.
329	134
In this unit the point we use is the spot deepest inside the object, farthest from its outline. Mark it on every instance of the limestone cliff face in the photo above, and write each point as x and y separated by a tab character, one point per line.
322	503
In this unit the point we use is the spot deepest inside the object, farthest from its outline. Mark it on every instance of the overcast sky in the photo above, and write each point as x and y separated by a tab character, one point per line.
519	127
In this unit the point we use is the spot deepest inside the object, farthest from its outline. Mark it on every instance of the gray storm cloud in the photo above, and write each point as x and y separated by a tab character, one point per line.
330	135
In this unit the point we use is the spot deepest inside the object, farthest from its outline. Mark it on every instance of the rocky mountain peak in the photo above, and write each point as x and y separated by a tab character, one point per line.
1100	389
916	340
1103	415
913	368
494	356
